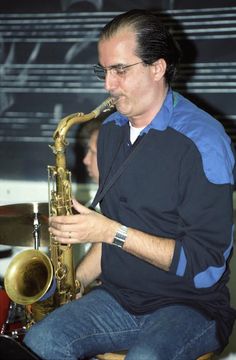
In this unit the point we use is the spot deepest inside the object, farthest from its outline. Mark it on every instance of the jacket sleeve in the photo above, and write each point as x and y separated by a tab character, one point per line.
205	228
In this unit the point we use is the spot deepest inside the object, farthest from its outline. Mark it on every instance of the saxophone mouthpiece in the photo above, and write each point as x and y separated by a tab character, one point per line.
114	100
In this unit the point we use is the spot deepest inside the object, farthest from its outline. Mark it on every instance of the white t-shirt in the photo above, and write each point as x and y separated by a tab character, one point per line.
134	132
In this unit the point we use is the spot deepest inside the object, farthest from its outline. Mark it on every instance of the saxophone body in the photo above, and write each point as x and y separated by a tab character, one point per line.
58	286
60	203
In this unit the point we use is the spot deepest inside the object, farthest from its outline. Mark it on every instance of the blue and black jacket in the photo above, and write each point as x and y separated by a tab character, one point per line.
178	185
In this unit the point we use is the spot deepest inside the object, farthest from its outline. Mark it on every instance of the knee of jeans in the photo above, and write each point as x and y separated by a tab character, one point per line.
142	352
34	337
44	343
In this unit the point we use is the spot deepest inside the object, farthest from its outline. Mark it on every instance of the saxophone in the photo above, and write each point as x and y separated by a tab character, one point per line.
44	283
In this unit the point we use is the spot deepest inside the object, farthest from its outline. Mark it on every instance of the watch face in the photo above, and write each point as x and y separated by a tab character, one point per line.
118	242
120	237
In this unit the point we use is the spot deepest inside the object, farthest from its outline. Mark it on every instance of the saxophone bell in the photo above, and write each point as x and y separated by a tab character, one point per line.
28	277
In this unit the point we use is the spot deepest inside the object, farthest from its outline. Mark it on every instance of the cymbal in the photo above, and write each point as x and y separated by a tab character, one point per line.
16	224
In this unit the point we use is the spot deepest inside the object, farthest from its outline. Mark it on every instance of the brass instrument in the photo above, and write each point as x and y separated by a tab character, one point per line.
31	274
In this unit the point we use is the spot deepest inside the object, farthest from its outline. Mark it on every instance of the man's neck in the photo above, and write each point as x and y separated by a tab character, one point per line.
142	120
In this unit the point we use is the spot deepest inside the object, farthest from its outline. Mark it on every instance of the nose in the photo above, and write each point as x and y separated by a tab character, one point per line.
110	82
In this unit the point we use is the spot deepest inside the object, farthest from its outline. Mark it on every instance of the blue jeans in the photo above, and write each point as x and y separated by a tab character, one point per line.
97	323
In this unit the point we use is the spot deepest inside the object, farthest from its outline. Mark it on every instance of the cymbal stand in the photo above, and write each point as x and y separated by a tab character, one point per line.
36	228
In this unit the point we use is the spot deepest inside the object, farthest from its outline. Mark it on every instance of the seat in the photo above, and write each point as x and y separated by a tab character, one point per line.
207	356
121	356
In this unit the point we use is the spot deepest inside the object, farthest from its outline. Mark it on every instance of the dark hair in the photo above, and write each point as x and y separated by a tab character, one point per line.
153	39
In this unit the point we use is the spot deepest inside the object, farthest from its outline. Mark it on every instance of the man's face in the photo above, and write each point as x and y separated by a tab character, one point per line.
135	89
90	159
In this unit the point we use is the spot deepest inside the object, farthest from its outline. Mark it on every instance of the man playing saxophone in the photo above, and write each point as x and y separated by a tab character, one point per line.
163	240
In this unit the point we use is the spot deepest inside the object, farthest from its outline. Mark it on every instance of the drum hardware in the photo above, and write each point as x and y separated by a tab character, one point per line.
14	327
16	224
13	321
36	228
21	225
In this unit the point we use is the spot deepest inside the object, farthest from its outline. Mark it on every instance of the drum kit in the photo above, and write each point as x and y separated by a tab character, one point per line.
21	226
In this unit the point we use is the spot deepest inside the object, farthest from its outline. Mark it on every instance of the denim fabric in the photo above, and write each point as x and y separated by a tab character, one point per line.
97	323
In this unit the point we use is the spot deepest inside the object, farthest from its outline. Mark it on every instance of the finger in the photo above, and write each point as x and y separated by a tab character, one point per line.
80	208
59	233
57	220
65	237
62	220
64	240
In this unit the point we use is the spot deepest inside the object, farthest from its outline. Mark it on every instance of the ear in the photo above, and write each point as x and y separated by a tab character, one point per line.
159	69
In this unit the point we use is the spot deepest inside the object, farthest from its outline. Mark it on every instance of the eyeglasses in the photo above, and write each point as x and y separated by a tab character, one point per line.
115	70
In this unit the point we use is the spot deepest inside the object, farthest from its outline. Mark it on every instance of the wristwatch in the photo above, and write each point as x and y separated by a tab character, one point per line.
120	236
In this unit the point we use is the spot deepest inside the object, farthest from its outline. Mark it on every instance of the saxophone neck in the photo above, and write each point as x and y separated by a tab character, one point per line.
67	122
